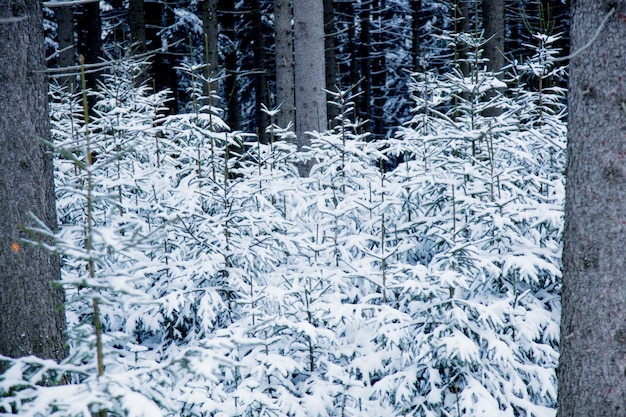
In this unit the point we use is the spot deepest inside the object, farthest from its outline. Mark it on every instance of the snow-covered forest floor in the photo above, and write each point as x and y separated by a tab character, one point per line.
417	275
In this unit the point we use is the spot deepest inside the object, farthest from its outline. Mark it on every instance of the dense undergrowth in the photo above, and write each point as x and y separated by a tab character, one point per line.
413	276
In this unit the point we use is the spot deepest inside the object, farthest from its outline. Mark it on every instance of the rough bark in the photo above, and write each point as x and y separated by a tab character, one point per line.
493	23
309	72
31	322
285	87
592	370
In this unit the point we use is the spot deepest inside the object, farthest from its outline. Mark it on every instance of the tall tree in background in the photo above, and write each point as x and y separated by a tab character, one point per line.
31	322
592	379
208	9
330	52
378	70
416	27
162	71
285	95
309	72
65	35
229	19
137	23
364	53
493	23
260	67
89	37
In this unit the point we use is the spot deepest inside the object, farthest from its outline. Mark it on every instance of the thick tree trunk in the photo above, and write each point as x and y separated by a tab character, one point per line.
31	321
592	370
493	23
285	87
309	72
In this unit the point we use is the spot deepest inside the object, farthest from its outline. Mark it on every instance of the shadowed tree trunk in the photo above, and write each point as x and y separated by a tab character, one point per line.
208	9
592	369
416	28
461	25
330	51
89	41
229	24
260	78
65	36
162	69
32	321
137	23
378	70
363	103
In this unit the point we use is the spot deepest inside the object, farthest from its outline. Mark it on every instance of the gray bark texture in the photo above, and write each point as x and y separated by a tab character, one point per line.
285	87
493	21
31	319
592	369
309	75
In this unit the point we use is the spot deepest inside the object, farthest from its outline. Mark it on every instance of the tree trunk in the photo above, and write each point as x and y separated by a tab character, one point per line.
330	50
284	62
211	37
461	25
592	370
364	58
260	78
65	36
162	69
379	70
31	322
493	23
309	72
137	23
229	23
89	33
416	29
